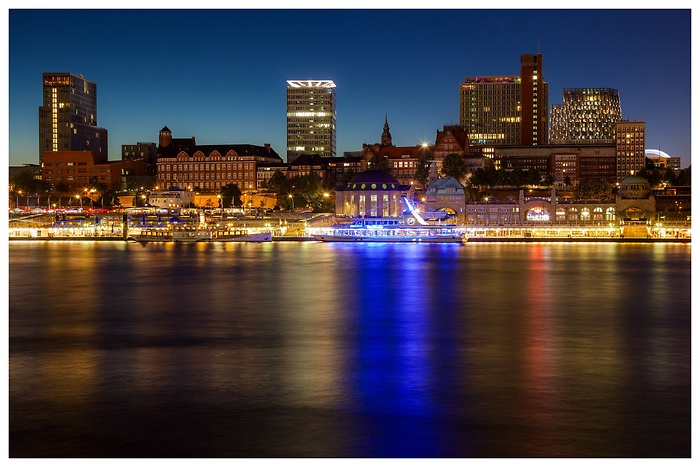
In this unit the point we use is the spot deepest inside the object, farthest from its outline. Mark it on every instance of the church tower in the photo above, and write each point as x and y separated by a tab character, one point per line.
386	135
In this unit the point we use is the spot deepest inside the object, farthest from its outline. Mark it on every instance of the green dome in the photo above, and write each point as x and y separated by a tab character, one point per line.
635	180
373	180
634	187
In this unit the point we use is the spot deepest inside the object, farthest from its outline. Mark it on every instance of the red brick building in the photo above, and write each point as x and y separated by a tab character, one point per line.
183	164
81	169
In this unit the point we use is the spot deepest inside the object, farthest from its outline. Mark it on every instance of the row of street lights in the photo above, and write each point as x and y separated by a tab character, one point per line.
78	196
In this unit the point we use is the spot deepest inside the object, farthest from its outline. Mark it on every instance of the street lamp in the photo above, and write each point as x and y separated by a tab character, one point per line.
292	198
81	200
17	199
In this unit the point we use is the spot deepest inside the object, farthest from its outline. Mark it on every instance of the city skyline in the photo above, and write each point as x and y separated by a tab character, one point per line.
221	75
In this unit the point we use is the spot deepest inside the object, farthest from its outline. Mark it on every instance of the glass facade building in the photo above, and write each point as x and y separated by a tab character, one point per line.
68	116
587	116
311	115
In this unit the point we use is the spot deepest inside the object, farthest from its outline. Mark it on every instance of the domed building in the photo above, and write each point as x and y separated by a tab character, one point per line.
372	193
635	206
634	187
634	199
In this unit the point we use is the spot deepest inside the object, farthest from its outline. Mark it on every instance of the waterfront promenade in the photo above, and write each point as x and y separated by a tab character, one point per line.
303	227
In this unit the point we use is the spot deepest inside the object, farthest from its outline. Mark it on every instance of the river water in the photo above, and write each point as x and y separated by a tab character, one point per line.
342	350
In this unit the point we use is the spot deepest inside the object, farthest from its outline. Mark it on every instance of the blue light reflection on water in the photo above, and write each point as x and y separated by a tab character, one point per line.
393	377
350	350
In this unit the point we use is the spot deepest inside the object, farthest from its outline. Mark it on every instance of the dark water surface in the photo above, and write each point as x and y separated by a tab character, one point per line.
344	350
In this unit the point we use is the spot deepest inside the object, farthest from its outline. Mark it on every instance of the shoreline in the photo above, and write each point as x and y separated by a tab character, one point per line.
469	240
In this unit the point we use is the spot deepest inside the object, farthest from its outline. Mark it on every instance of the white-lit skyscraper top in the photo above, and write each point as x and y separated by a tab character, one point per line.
311	83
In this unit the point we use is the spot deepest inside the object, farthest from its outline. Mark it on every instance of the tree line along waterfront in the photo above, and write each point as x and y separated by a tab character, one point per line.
309	192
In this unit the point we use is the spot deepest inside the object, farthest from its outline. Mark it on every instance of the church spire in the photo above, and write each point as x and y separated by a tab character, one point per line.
386	135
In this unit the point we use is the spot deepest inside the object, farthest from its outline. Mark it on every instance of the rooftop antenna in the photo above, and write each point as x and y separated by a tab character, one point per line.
538	46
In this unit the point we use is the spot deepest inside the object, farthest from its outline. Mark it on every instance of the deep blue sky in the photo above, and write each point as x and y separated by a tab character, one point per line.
220	75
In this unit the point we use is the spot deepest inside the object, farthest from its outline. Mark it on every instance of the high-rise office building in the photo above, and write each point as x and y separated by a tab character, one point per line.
587	116
534	99
630	147
311	117
68	118
506	110
490	109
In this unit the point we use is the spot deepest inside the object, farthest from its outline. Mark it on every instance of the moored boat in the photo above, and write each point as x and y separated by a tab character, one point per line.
241	236
412	228
191	235
151	234
402	234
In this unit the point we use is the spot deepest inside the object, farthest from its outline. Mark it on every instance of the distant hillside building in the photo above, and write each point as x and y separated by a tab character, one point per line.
68	116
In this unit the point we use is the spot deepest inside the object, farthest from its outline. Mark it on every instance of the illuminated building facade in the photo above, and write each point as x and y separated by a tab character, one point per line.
68	116
587	116
208	172
184	165
506	110
534	101
311	115
372	193
490	110
630	145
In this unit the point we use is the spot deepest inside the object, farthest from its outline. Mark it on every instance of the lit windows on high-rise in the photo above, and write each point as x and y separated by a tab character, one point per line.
506	110
68	116
630	148
311	115
587	116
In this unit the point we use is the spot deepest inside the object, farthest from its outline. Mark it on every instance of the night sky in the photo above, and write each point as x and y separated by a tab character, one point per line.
220	75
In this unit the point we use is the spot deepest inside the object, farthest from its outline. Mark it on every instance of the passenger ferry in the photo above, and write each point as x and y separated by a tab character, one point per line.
151	234
412	228
240	235
190	234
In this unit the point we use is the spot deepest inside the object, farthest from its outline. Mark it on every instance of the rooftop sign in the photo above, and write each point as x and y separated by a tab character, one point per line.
311	83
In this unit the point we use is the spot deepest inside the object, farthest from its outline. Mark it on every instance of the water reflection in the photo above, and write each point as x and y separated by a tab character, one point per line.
347	350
